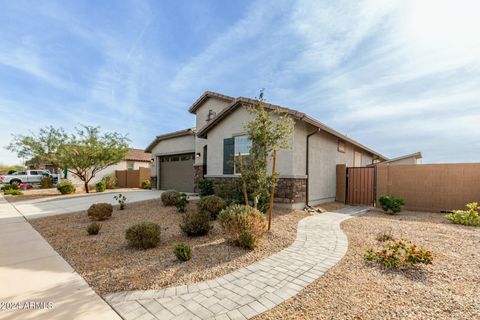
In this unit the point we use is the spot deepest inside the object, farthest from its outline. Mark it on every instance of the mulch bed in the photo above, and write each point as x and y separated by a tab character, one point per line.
109	265
448	289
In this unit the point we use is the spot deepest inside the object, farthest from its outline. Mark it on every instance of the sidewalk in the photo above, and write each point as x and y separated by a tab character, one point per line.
31	271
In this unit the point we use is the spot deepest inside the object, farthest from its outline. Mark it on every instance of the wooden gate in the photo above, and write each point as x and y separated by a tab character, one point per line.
361	186
132	178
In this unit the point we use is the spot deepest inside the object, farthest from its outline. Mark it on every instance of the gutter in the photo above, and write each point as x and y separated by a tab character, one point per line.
306	165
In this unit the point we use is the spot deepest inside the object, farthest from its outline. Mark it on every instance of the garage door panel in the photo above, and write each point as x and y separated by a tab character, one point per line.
176	172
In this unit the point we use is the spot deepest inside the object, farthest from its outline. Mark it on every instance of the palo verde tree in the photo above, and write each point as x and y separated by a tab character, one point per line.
83	153
270	130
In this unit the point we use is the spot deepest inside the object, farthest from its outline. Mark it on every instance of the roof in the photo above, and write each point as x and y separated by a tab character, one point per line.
241	101
416	155
174	134
138	155
208	94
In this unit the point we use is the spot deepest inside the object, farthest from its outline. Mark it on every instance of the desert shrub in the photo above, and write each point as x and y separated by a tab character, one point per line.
196	223
466	217
206	187
391	203
66	187
121	199
93	228
242	222
183	252
100	186
182	202
212	204
398	253
110	181
6	187
247	240
100	211
384	236
146	184
143	235
12	192
231	193
170	197
46	182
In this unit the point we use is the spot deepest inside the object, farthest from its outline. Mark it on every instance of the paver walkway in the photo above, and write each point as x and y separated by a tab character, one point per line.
31	271
249	291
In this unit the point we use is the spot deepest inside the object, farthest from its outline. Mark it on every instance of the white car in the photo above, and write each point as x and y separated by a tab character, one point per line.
27	176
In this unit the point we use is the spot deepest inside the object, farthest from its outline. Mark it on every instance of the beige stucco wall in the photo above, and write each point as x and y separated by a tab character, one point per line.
410	160
183	144
214	104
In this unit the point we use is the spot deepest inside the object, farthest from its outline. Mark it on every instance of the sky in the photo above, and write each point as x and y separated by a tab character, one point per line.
397	76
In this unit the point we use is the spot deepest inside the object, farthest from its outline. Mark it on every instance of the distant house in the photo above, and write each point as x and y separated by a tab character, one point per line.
307	170
414	158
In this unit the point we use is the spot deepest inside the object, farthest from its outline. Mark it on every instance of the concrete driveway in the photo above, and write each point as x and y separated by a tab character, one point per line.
32	209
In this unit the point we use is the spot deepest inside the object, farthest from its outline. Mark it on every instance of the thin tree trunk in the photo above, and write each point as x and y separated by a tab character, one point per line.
86	187
272	191
244	183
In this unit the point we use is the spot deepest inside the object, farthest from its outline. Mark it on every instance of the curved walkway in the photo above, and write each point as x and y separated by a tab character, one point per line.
251	290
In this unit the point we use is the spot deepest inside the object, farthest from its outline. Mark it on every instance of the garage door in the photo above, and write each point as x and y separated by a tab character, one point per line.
176	172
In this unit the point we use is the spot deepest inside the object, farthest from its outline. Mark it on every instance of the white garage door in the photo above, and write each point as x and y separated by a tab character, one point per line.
176	172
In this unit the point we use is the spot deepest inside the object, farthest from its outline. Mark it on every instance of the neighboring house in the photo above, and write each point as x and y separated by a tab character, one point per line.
134	159
307	169
414	158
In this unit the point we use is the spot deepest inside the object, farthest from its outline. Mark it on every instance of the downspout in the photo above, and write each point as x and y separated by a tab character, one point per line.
306	165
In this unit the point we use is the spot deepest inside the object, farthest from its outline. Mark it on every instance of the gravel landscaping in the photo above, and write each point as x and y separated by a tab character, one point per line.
109	265
352	289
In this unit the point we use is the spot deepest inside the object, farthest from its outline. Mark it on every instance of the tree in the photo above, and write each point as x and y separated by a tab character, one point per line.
83	153
269	131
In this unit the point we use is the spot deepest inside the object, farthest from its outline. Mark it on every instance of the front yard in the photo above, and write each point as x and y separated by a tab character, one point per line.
448	289
109	265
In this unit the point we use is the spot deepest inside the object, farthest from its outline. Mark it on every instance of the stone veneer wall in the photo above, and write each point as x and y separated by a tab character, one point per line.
287	191
153	182
198	175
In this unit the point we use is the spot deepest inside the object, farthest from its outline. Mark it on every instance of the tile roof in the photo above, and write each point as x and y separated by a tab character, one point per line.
138	155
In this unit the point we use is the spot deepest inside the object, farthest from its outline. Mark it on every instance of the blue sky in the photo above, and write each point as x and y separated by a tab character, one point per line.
398	76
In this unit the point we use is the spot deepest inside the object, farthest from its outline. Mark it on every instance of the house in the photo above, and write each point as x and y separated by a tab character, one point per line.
307	169
414	158
134	159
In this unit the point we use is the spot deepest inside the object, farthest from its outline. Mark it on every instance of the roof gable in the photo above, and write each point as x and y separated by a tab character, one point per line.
205	96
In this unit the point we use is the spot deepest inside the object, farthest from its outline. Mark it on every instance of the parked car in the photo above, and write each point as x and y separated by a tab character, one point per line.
27	176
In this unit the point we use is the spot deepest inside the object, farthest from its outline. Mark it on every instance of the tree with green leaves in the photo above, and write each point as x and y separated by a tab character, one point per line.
83	153
270	130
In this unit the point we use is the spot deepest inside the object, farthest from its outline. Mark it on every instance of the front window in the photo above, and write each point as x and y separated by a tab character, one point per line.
242	147
130	165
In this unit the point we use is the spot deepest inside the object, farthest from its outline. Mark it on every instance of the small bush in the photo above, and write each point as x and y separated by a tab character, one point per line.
170	197
66	187
11	171
110	181
12	192
391	203
46	182
196	224
143	235
6	187
212	204
94	228
182	202
100	186
100	211
206	187
183	252
240	221
121	200
146	184
247	240
384	236
466	217
398	253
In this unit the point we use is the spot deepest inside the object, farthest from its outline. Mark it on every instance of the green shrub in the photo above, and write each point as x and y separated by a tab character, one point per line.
146	184
93	228
206	187
391	203
6	187
183	252
100	186
66	187
231	193
100	211
12	192
170	197
243	224
466	217
11	171
398	253
384	236
110	181
196	224
182	202
143	235
121	200
46	182
212	204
